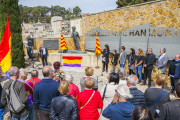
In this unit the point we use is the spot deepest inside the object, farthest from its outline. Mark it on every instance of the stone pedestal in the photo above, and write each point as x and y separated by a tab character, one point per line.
88	59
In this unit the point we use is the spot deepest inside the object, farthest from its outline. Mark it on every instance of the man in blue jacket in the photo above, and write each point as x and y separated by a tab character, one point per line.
120	109
174	71
138	96
44	92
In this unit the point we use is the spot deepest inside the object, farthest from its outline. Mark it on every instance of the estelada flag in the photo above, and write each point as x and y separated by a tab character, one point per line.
98	47
63	43
5	50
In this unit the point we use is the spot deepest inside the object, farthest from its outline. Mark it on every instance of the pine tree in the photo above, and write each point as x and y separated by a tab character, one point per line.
11	7
52	11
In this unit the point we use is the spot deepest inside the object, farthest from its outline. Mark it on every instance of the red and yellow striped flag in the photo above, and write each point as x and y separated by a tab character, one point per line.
5	50
98	47
63	43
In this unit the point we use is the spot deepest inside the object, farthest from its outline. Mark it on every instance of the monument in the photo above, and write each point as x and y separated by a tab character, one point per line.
75	36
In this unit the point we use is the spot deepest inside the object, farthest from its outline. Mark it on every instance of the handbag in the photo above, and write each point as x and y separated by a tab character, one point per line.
104	92
157	99
88	100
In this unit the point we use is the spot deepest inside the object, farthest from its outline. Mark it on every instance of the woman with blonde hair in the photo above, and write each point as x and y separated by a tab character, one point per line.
89	101
139	64
89	71
64	106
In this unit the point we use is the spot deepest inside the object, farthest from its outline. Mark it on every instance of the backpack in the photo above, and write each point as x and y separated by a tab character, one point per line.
13	102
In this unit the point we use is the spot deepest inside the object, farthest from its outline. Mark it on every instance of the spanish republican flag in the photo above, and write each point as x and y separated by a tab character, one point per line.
63	43
5	50
98	47
72	61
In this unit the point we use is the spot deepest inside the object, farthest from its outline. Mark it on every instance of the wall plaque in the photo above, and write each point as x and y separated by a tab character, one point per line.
51	44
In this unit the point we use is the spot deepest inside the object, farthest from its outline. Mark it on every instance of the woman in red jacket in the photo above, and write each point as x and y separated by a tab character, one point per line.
89	101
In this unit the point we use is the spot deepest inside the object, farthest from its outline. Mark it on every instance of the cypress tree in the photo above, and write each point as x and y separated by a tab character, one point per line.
11	7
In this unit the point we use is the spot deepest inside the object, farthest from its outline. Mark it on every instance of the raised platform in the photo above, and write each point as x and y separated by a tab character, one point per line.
88	59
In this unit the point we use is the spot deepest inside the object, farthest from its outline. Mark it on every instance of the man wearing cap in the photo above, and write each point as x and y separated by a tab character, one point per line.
120	109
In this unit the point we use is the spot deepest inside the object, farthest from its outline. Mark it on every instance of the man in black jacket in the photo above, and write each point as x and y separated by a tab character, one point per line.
114	59
43	54
170	110
174	72
138	96
148	66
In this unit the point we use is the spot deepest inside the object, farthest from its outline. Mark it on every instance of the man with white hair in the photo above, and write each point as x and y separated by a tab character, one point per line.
138	96
120	109
74	90
29	89
148	66
43	54
162	61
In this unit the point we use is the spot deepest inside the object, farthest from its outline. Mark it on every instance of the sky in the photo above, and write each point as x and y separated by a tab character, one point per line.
87	6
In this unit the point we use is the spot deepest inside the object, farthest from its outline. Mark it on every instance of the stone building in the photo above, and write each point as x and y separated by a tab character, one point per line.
78	24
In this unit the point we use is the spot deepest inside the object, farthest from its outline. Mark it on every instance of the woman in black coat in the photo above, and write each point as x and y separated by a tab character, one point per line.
114	59
64	107
131	61
105	59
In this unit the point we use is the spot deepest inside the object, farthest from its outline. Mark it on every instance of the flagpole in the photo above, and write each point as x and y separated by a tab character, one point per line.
98	49
97	67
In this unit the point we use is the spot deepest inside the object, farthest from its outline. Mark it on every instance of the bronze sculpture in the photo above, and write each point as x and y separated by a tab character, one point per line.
75	36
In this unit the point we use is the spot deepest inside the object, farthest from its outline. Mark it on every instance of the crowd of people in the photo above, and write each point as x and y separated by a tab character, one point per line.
56	97
146	61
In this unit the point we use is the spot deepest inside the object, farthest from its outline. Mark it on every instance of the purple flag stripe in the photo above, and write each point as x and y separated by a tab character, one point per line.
72	65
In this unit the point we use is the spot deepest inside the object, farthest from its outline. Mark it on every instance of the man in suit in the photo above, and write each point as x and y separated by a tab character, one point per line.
162	61
148	66
122	58
43	54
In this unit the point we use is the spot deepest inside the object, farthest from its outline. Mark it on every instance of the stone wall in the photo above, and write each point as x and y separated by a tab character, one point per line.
159	14
163	13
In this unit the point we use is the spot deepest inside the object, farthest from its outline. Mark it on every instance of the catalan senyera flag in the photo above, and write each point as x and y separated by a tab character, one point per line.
63	43
72	61
5	50
98	47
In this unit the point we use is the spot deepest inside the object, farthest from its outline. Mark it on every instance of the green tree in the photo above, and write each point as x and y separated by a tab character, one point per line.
23	18
48	19
58	11
68	13
76	10
27	13
36	14
52	11
11	7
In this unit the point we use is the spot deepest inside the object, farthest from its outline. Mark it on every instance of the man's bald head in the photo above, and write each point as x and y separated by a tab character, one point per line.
12	71
47	72
34	73
177	57
132	79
